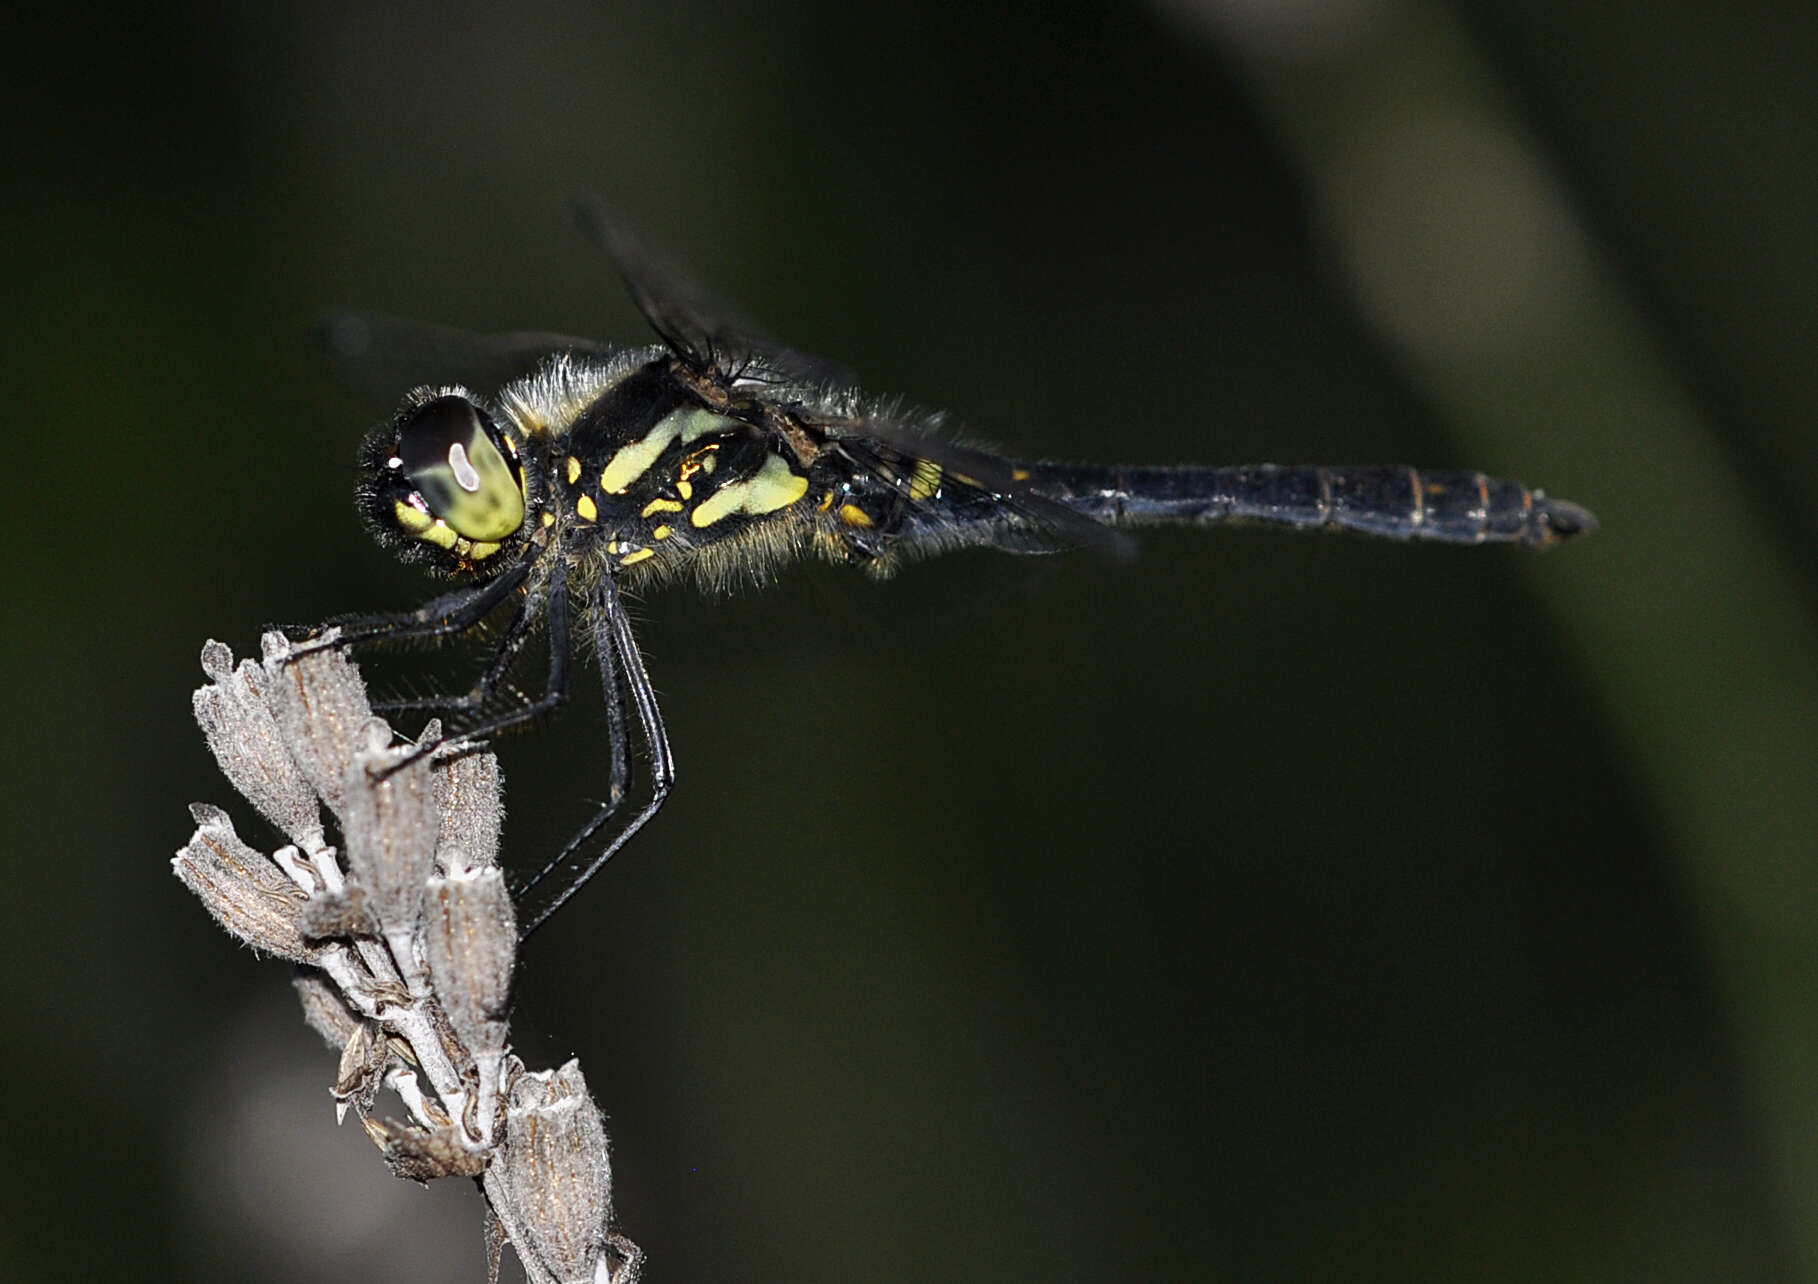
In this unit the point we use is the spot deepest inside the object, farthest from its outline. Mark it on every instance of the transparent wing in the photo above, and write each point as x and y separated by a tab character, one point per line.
698	327
380	358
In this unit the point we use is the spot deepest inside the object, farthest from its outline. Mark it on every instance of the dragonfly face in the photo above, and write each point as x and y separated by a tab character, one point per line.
724	455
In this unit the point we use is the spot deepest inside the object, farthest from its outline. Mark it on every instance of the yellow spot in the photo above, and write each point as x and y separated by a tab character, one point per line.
482	550
772	487
586	508
662	532
927	479
413	520
853	515
574	470
439	533
656	506
685	489
1019	474
632	559
826	503
633	461
548	519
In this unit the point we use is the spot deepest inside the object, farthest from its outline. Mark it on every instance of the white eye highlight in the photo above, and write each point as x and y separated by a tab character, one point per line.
466	477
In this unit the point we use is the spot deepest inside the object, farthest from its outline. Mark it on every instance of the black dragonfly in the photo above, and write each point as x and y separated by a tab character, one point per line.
562	470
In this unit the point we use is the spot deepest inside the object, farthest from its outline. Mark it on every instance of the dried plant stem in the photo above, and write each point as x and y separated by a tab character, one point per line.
405	941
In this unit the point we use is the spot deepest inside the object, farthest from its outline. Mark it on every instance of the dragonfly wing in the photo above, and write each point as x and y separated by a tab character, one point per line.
699	328
380	357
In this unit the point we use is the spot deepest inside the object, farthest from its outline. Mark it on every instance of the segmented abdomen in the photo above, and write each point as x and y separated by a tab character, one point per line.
1392	502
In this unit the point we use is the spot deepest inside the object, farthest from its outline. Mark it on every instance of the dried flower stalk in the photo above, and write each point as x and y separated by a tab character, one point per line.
405	940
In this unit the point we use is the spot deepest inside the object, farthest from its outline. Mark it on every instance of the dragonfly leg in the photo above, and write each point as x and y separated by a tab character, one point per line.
504	657
555	691
622	670
456	612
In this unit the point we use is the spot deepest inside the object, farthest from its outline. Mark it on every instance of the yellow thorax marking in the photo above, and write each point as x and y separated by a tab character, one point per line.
574	470
634	460
697	422
698	461
586	508
772	487
662	532
632	559
853	515
656	506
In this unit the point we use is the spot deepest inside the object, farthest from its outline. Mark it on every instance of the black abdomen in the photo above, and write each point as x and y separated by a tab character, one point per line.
1393	502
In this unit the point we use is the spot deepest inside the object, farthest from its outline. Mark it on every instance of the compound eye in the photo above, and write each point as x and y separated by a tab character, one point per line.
450	460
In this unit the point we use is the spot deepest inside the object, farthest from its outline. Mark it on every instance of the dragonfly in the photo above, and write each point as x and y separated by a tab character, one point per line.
562	473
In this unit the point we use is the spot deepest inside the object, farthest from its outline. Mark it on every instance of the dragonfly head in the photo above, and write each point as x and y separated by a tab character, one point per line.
444	483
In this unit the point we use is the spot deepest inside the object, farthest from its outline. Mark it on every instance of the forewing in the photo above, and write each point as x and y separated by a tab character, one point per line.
380	358
698	327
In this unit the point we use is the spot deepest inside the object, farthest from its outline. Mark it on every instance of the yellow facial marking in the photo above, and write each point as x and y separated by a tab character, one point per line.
632	559
662	532
574	470
927	479
656	506
634	460
853	515
772	487
413	520
585	506
439	533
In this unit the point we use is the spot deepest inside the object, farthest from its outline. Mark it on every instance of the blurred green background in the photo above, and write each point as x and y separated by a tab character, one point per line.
1274	908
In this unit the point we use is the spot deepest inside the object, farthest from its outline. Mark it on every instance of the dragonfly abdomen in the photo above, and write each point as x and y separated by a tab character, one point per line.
1393	502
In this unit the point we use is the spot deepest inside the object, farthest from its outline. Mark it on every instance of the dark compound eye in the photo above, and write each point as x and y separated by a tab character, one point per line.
449	458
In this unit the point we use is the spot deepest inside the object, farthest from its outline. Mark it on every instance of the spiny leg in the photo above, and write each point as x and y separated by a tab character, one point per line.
618	742
618	648
504	657
456	612
555	691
